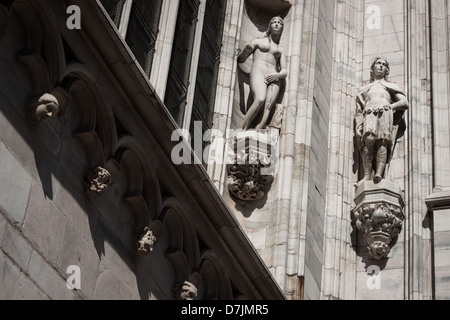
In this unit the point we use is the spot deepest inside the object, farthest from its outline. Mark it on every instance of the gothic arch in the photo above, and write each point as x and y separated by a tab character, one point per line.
43	52
216	282
96	127
143	192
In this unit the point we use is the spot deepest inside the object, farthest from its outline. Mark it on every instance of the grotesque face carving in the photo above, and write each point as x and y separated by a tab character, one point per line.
185	291
145	242
45	107
379	250
98	181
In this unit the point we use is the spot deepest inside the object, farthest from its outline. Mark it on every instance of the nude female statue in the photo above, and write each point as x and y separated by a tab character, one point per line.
268	68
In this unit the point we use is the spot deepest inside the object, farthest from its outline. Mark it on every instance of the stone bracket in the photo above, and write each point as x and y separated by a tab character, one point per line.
379	215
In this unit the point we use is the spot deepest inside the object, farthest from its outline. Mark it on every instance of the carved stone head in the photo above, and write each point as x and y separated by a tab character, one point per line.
97	181
379	250
185	291
43	108
145	242
373	66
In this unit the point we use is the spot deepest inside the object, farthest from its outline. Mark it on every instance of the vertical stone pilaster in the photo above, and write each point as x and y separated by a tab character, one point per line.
418	273
339	276
438	201
163	46
226	81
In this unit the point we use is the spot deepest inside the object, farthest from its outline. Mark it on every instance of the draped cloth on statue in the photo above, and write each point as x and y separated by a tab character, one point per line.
375	120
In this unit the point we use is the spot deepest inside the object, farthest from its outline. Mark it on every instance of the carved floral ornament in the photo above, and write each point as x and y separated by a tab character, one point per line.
380	223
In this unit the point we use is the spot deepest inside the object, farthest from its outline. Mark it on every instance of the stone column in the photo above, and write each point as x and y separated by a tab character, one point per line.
438	201
418	272
339	266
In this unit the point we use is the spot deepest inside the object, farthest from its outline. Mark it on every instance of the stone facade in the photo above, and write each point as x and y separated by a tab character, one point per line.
87	144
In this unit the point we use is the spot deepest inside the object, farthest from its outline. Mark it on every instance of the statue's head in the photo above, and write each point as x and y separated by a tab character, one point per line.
276	25
379	62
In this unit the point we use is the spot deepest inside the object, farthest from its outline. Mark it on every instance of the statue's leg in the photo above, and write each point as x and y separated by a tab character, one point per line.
367	156
381	162
272	94
258	89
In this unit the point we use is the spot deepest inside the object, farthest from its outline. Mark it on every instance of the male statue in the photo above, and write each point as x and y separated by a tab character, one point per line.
376	104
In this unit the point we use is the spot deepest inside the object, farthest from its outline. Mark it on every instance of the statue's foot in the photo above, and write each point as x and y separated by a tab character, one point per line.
377	178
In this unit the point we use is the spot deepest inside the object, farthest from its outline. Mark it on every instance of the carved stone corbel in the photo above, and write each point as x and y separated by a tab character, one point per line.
379	215
185	291
145	242
97	181
251	164
42	109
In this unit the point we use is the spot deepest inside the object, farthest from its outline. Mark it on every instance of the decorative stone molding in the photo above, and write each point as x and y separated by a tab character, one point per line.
379	215
145	242
42	109
250	165
97	181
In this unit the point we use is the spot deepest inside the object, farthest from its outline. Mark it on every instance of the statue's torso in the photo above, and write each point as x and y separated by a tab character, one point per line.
376	95
266	56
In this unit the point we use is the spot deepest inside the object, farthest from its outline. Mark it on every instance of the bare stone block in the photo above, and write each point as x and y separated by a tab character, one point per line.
15	186
109	286
389	286
16	247
3	223
43	224
48	280
75	251
15	285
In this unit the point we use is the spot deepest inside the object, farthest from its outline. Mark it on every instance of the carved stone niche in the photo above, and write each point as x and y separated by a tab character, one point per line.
271	5
251	164
379	215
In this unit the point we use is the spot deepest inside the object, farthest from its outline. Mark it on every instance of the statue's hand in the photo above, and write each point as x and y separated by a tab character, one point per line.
250	46
271	78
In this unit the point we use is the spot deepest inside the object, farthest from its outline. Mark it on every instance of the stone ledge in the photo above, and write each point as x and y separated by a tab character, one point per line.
438	199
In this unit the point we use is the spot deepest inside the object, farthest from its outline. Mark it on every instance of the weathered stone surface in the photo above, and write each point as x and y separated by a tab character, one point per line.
15	285
15	193
16	247
44	224
48	280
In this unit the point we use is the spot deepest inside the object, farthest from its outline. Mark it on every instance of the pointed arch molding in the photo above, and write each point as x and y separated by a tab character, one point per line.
43	53
192	263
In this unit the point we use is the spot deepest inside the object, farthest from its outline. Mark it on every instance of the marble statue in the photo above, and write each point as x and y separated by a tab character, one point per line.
377	102
268	68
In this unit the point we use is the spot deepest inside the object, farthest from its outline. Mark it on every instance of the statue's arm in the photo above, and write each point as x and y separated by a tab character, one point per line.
247	51
400	102
283	69
359	116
